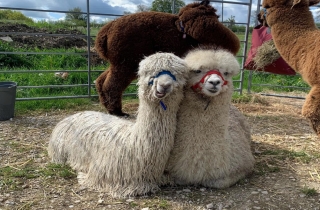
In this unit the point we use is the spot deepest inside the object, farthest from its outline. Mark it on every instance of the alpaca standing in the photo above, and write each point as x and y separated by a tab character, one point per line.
216	151
297	39
118	155
126	40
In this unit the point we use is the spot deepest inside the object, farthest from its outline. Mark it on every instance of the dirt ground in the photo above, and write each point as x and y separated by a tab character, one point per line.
285	175
68	38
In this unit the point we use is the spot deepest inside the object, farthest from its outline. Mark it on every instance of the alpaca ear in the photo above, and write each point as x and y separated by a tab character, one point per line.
313	2
205	2
295	2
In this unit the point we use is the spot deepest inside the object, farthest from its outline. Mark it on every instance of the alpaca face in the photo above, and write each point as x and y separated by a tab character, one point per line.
211	83
160	75
211	70
163	85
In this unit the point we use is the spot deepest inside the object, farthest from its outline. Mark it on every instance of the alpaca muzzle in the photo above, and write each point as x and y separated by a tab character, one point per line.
161	94
198	86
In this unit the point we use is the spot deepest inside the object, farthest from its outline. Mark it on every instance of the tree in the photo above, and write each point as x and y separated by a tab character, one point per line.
126	13
231	22
253	17
166	5
142	8
76	16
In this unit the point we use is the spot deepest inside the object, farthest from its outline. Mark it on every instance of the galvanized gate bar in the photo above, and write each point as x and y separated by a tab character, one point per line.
89	53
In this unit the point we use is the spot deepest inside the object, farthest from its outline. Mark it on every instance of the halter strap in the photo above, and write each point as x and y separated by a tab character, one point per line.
198	85
163	72
264	12
182	29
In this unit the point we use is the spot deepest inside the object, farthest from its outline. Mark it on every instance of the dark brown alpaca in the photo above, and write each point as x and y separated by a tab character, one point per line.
125	41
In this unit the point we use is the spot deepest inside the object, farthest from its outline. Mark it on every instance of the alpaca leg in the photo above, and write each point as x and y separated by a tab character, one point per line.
225	182
99	86
110	85
311	108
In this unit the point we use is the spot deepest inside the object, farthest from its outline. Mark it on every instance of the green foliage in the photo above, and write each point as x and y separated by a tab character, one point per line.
76	17
58	170
274	82
14	15
12	60
166	6
309	191
142	8
230	22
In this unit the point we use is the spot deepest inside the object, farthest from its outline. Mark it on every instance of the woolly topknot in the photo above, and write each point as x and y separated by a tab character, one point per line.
220	59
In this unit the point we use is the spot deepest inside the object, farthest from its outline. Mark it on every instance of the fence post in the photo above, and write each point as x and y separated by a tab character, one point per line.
89	51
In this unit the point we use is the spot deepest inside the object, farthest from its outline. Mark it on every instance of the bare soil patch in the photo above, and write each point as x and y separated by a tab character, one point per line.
286	174
42	38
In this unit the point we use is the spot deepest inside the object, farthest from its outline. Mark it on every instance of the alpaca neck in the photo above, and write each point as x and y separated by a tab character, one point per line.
154	131
212	111
290	28
151	114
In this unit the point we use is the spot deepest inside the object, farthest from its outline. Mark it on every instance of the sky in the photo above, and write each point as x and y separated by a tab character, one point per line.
114	7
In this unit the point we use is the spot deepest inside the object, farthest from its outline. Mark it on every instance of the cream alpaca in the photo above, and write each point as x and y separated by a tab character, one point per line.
210	148
124	157
297	39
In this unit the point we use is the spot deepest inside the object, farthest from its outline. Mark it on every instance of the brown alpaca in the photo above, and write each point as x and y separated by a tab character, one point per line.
297	39
125	41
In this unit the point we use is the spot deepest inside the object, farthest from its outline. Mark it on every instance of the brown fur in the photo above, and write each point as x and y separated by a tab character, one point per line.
297	39
126	40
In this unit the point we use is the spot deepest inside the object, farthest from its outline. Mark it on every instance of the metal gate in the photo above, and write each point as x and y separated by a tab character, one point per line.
222	7
251	84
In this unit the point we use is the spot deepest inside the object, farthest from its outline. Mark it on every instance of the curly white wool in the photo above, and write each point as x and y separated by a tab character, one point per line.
212	144
123	157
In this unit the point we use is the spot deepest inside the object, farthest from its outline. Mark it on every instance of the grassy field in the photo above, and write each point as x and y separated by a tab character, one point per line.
40	70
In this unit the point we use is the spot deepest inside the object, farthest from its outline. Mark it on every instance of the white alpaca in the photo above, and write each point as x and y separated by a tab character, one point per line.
124	157
212	145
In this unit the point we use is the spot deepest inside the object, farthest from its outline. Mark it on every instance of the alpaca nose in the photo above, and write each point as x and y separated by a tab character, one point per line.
166	87
215	83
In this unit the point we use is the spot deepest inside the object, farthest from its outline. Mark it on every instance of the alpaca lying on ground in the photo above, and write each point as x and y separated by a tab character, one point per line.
126	40
212	143
118	155
297	39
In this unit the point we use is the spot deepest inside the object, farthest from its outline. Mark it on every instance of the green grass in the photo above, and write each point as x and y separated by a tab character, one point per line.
289	154
13	63
309	191
10	176
262	168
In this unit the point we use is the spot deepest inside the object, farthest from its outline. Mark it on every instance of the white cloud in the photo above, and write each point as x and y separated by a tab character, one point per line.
126	4
116	7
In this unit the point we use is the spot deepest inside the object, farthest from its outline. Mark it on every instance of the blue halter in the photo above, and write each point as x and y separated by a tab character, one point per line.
264	12
163	72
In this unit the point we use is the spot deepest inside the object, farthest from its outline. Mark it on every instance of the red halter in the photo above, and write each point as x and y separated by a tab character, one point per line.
197	86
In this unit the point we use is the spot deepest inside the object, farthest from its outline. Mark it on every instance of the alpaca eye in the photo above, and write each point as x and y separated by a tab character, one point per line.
151	81
197	71
226	73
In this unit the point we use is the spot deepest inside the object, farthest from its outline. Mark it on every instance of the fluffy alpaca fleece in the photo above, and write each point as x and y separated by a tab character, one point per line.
297	39
126	40
212	143
118	155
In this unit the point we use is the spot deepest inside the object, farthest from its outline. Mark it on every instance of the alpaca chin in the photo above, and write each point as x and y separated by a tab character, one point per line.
214	92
